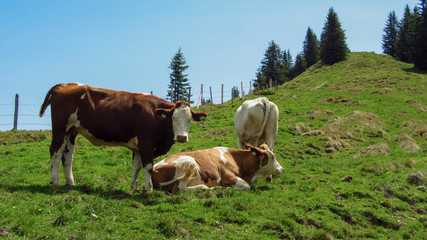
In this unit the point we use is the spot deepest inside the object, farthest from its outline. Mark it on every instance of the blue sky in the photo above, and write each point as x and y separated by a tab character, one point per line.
128	45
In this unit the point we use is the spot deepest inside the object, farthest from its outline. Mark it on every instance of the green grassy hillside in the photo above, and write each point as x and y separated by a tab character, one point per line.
352	139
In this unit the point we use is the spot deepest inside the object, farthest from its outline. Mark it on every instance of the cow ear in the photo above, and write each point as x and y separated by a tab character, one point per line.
198	116
253	149
163	113
264	147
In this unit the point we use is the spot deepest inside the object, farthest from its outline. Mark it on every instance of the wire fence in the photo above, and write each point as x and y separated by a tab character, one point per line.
28	113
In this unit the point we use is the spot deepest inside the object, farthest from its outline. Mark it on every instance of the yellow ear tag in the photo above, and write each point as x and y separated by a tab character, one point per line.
254	153
163	115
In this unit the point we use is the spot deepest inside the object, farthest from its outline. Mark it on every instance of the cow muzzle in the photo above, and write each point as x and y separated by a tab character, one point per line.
182	138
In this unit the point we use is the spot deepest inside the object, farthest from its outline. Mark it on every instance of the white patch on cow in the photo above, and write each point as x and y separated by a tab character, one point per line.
73	121
83	96
55	161
222	151
186	168
181	120
272	167
132	144
241	185
148	184
161	163
68	163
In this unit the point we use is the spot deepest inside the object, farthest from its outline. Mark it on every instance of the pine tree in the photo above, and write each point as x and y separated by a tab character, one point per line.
391	30
260	80
311	48
333	47
300	65
420	56
178	80
288	64
271	64
406	37
235	92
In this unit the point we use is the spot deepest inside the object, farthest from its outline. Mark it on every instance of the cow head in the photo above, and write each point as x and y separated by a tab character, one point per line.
181	116
268	162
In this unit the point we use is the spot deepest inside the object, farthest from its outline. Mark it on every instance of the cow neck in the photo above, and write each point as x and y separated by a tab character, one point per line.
247	163
165	131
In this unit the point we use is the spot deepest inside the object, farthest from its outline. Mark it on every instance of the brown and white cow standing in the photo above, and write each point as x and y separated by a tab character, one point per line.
144	123
256	122
215	167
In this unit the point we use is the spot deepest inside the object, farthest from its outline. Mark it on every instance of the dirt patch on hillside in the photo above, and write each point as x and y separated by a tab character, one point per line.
382	91
357	126
416	128
417	178
338	132
377	149
316	113
216	132
407	143
348	101
417	105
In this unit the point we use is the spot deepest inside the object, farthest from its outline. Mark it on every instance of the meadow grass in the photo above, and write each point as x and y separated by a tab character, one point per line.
346	173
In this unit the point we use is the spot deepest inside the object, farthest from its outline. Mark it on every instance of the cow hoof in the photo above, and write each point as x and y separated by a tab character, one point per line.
56	185
269	180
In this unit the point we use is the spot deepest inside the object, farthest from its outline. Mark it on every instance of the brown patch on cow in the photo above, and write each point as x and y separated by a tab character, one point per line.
407	143
166	175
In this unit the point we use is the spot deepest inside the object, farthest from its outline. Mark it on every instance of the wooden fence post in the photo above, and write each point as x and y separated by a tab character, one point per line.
250	87
232	96
201	93
241	84
222	93
15	119
210	89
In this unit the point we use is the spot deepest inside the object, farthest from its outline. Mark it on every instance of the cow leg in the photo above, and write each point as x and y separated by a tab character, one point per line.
241	184
136	167
67	159
229	179
56	152
148	168
240	144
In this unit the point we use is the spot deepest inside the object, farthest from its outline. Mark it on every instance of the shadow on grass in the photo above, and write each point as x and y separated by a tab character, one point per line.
414	70
146	198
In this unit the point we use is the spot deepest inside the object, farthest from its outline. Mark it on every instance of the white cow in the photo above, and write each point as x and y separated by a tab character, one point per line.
256	123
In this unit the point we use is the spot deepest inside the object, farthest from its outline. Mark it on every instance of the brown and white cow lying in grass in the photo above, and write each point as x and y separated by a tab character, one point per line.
215	167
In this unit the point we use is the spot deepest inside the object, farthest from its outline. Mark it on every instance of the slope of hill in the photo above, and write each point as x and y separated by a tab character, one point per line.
352	139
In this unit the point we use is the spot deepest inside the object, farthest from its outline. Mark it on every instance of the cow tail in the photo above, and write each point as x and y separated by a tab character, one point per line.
46	101
190	171
267	113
